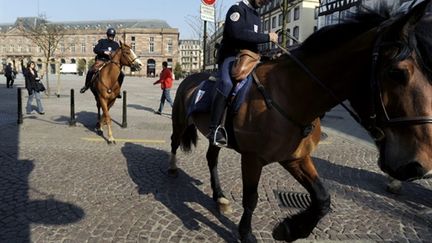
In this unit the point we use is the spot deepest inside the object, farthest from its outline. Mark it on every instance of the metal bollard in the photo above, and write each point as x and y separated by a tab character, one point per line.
20	114
124	123
72	121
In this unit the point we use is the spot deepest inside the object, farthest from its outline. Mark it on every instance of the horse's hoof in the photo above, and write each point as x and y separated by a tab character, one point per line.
395	189
111	142
224	206
282	232
248	238
173	173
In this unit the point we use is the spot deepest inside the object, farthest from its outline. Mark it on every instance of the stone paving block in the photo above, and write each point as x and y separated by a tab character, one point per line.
69	188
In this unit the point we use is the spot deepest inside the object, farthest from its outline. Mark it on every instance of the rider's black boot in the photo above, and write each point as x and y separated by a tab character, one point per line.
89	76
217	136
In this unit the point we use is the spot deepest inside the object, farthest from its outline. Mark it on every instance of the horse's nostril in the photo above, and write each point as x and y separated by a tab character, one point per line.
411	171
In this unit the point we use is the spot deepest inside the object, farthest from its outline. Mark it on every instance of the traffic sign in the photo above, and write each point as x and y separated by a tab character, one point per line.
207	12
208	2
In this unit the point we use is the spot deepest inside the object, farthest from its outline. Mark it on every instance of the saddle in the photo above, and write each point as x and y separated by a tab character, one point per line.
243	65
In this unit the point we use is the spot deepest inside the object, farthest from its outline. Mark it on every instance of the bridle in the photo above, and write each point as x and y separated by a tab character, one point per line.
374	124
377	118
130	60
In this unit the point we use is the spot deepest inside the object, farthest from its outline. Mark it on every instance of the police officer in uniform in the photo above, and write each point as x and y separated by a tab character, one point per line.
241	31
103	50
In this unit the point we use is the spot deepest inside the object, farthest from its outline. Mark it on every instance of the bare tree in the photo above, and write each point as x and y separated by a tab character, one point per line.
46	36
197	25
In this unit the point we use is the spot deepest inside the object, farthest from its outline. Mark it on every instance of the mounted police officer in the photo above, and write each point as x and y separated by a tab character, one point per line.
103	50
241	32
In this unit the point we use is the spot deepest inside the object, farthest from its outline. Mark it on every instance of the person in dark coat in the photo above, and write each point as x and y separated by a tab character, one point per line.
241	32
103	51
31	83
10	74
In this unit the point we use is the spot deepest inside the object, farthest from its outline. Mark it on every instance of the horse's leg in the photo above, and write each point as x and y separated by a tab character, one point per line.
218	195
302	224
251	173
99	129
107	120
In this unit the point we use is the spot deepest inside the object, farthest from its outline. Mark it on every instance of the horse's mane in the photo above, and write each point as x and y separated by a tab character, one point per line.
423	44
334	35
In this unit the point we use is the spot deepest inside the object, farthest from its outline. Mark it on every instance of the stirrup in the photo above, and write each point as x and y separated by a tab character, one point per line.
224	133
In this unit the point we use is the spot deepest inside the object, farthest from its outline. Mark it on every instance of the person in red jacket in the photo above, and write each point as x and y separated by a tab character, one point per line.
165	80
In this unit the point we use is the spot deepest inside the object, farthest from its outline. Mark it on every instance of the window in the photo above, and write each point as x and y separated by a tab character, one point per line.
280	20
296	13
132	38
296	33
151	44
62	47
133	46
83	47
169	45
288	16
267	25
72	48
288	40
273	25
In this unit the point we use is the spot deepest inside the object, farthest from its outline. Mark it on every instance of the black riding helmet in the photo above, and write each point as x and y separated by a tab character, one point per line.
111	32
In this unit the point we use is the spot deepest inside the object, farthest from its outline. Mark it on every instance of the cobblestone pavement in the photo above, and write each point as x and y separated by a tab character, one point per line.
65	184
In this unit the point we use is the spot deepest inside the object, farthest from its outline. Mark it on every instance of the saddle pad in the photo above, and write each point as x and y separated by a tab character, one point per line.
202	97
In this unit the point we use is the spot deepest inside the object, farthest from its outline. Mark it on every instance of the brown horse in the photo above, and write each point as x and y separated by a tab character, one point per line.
380	64
106	87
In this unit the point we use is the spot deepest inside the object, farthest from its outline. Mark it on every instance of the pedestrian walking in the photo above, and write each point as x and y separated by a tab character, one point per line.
165	79
10	74
34	86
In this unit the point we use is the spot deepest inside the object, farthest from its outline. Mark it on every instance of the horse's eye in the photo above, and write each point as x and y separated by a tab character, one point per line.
398	75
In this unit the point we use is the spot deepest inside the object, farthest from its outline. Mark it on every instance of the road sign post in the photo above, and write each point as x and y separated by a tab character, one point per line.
207	14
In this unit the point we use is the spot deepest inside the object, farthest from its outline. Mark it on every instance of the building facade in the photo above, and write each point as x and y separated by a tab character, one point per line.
301	19
154	41
191	55
335	11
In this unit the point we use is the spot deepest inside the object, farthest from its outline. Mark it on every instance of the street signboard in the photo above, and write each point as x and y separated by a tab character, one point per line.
208	2
207	12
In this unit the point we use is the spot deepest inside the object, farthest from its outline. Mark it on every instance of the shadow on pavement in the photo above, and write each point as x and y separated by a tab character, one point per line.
147	168
413	195
17	210
141	107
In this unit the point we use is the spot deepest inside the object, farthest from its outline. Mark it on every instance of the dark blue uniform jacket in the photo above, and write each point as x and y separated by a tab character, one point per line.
105	45
241	31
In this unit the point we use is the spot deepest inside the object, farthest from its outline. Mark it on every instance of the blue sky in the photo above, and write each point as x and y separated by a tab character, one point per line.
176	12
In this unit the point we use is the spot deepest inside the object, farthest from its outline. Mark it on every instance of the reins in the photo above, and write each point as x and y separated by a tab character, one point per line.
317	80
109	89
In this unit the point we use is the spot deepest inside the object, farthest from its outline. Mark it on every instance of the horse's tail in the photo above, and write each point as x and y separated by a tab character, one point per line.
189	138
184	132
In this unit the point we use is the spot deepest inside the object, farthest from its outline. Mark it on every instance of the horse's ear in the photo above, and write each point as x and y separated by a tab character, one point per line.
413	16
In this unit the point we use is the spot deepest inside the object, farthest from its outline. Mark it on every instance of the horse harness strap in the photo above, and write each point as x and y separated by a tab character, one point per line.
305	129
109	89
373	125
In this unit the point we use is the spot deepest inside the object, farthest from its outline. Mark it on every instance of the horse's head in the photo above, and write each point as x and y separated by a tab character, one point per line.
399	113
128	57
